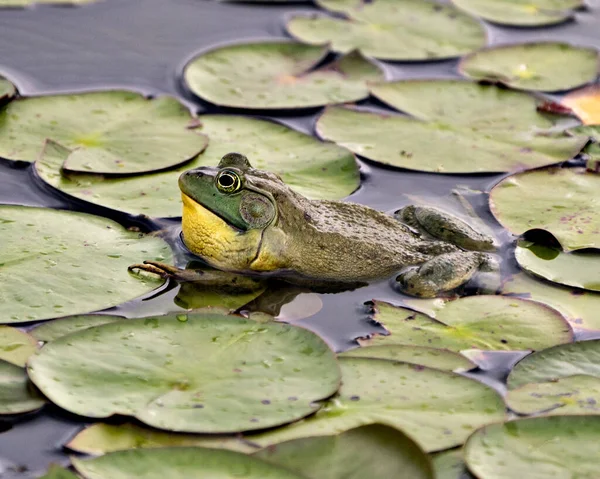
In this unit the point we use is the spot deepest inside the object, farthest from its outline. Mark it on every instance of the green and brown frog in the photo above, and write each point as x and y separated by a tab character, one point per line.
243	220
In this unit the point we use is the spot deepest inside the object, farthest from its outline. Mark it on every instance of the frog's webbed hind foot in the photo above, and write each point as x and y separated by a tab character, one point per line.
444	273
444	226
166	271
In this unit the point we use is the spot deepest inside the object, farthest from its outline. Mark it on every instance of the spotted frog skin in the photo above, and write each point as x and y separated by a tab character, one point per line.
240	219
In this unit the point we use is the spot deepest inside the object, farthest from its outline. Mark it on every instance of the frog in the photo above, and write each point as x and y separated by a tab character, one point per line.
248	221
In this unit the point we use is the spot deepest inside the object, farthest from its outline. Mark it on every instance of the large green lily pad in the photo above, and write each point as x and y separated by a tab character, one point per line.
61	327
495	323
375	451
179	463
523	13
16	394
578	269
580	308
431	357
546	66
563	201
438	409
579	394
536	448
457	127
56	263
197	373
394	30
57	472
273	75
552	364
101	438
313	168
15	345
449	464
113	132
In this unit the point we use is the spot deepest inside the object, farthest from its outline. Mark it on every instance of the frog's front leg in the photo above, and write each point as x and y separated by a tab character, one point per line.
444	273
444	226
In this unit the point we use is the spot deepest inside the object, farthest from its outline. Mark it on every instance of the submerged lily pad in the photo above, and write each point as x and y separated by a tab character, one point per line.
495	323
56	263
113	132
578	269
189	373
15	345
271	75
538	447
580	308
579	394
563	201
179	463
61	327
313	168
546	66
523	13
431	357
585	103
457	127
16	394
394	30
101	438
437	408
374	451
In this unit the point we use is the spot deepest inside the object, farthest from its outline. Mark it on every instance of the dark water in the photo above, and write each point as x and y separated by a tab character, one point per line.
142	45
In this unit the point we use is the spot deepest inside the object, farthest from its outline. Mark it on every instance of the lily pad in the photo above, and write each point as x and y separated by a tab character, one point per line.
274	75
189	373
449	464
375	451
457	127
579	394
179	463
437	408
495	323
536	448
57	472
563	201
102	438
15	345
545	66
113	132
394	30
580	308
431	357
578	269
522	13
7	89
16	394
592	150
56	263
585	103
313	168
61	327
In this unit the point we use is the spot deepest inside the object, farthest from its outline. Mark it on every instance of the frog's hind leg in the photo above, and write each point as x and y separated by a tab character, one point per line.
444	226
444	273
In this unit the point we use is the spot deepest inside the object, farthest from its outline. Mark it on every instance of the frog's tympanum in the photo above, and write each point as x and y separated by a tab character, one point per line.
244	220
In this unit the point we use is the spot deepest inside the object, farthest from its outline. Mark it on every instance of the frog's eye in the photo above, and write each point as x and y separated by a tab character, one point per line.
228	181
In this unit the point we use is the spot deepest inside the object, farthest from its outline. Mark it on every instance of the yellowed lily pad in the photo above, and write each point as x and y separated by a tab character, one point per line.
274	75
523	13
455	127
112	132
15	345
579	269
562	201
483	322
393	29
585	103
431	357
545	66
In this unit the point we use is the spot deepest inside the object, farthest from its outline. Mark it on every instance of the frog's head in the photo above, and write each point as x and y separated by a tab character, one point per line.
226	211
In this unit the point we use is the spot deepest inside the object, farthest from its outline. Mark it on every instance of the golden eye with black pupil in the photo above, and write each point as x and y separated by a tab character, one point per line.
228	181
